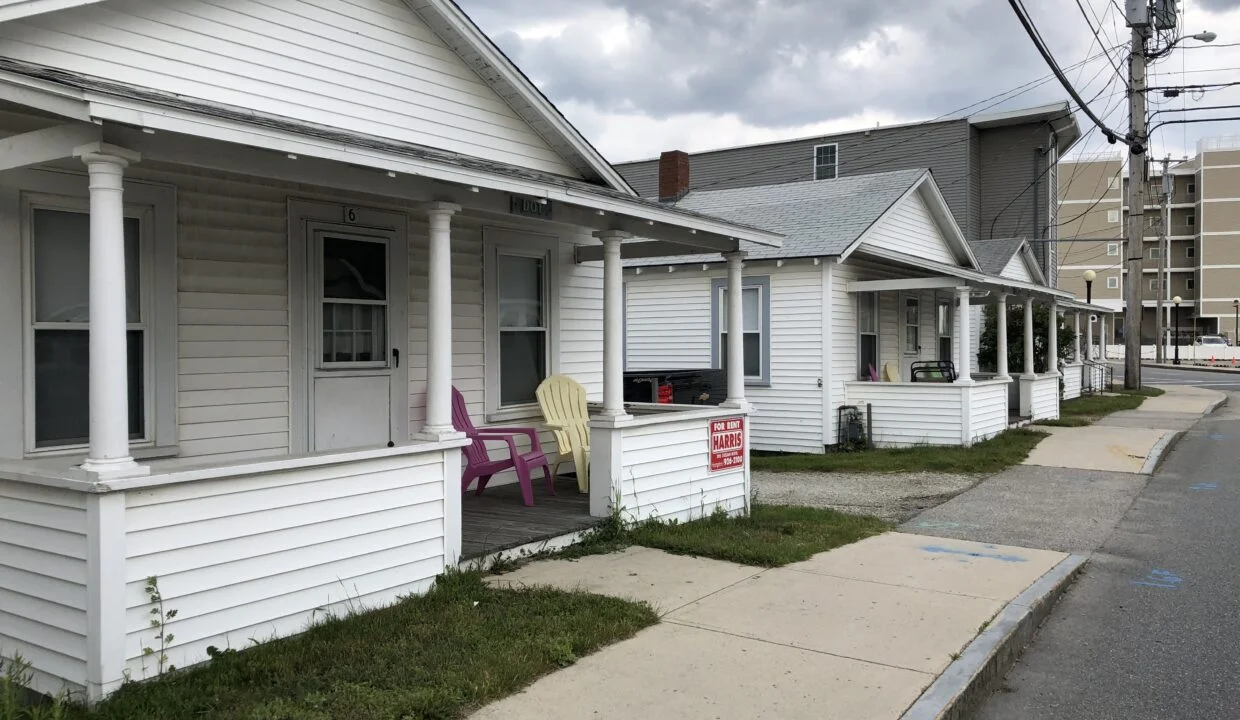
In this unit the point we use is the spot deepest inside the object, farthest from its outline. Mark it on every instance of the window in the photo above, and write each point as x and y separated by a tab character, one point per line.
353	302
943	323
1190	220
1155	253
60	239
1190	283
1113	216
1113	184
912	324
1190	252
1113	249
1192	188
755	320
1154	285
867	334
826	159
1112	283
522	283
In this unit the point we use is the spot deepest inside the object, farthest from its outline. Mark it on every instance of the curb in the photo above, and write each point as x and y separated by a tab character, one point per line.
1215	406
970	678
1160	450
1193	368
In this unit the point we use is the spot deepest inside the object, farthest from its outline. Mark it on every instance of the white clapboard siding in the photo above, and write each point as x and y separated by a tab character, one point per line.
667	321
581	318
250	558
909	228
232	314
1016	269
1072	378
905	414
988	413
665	474
367	66
43	548
1045	399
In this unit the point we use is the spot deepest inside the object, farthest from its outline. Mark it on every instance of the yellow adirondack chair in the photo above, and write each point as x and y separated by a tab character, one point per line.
563	403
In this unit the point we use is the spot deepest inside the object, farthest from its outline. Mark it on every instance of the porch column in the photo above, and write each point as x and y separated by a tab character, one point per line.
1102	339
1029	370
439	321
963	361
1076	336
613	322
1089	337
736	332
109	375
1001	338
1052	339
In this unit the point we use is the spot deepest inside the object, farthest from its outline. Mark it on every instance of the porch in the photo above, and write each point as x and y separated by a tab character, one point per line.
269	346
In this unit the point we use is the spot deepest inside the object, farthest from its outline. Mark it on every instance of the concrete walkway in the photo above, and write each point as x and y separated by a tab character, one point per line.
856	633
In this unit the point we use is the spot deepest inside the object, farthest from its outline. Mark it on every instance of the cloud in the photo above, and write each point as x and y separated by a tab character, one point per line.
640	76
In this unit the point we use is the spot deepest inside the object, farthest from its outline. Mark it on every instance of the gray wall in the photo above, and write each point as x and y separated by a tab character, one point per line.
979	171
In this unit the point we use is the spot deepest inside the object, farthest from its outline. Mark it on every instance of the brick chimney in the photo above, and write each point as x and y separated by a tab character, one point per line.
673	175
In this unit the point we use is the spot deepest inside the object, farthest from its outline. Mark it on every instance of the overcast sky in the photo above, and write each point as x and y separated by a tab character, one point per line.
641	76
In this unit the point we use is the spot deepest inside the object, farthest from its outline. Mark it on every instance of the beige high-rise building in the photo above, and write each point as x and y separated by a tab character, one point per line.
1203	235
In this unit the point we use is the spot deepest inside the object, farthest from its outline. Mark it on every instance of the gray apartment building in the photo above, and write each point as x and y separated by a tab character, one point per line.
996	170
1203	264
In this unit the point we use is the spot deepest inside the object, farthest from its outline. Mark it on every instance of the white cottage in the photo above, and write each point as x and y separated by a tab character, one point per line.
873	280
246	250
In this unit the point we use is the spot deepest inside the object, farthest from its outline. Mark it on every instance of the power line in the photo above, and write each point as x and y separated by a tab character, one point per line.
1097	34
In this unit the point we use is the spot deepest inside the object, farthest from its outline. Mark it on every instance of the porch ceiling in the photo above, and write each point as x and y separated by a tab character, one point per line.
209	135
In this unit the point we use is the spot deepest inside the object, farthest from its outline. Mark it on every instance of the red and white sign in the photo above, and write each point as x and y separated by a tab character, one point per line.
727	444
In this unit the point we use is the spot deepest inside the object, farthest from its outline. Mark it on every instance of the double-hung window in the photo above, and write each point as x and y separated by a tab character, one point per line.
755	323
826	162
867	334
520	270
943	322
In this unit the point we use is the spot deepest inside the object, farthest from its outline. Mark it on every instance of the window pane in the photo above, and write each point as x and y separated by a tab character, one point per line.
867	312
752	352
520	291
868	355
945	319
751	304
354	269
523	365
354	333
62	267
62	387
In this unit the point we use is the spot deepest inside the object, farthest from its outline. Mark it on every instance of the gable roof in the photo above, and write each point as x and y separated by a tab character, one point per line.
819	218
455	28
993	256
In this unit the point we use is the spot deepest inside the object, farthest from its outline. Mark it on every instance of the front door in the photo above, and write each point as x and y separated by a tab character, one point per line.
355	349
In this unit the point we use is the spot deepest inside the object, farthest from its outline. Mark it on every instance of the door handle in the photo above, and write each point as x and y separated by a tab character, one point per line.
395	357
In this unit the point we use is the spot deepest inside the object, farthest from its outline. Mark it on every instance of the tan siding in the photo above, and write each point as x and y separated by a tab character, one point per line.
369	66
1220	217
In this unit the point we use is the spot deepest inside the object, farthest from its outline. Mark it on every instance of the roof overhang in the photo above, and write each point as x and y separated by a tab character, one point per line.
972	278
18	9
928	189
1059	116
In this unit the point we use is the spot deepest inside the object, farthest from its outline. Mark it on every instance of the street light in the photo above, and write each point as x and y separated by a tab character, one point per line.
1206	36
1177	300
1090	275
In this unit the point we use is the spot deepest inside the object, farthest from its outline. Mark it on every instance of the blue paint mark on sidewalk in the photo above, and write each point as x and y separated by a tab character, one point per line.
968	553
1160	579
944	525
1204	486
1217	436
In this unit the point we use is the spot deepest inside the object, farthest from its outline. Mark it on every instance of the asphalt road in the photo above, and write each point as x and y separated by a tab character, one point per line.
1223	382
1152	628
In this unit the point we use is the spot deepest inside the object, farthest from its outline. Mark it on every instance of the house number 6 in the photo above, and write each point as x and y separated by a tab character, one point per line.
350	215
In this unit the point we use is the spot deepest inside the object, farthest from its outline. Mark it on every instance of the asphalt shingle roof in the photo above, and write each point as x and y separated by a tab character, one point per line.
818	218
994	255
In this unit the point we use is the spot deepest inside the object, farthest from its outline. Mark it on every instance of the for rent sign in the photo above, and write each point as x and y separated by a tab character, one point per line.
727	444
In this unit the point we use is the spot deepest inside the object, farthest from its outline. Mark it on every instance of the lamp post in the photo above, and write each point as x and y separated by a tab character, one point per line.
1176	300
1235	337
1090	275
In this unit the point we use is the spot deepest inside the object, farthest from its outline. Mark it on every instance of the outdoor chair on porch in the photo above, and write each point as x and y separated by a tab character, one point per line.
478	463
940	371
563	403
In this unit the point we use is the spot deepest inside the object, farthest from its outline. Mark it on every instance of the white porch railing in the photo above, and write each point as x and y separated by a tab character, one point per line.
907	414
1073	380
670	462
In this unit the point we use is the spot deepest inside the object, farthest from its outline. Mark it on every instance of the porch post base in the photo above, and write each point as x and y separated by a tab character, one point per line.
742	405
99	470
438	433
1026	395
606	466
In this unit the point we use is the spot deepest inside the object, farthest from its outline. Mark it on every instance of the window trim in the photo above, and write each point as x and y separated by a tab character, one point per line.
1190	251
940	302
763	284
863	373
1112	283
1112	249
1191	189
1154	285
1155	253
497	240
1112	214
1190	283
835	167
155	206
1190	220
905	327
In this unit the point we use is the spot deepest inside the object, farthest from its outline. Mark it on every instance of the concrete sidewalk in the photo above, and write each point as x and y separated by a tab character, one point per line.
856	633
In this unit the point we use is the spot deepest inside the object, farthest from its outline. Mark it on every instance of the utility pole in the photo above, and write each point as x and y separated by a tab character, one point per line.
1139	21
1164	275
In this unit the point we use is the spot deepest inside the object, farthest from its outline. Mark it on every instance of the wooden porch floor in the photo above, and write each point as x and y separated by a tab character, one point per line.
497	519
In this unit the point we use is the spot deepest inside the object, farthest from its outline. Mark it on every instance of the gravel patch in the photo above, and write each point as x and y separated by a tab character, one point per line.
895	497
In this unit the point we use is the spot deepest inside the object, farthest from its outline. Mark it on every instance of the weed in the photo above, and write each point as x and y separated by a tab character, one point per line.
19	702
160	617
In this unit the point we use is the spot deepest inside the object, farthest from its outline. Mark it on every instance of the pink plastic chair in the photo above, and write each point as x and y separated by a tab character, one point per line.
478	463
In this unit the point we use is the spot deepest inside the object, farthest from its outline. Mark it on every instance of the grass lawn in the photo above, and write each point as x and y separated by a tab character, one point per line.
440	655
1003	451
772	535
1088	410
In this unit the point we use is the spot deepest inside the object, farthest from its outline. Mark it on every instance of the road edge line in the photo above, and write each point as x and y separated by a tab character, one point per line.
970	678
